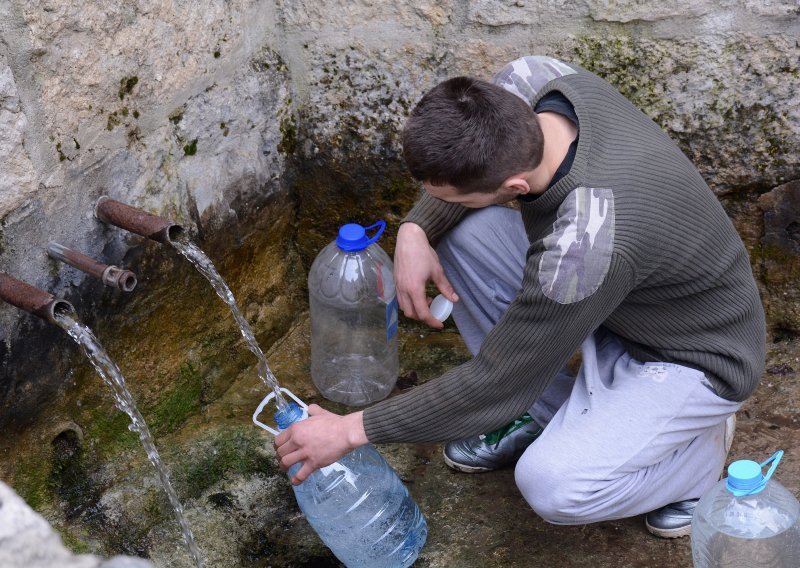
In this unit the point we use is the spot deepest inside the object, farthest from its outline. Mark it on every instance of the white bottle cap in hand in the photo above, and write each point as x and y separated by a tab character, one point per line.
441	308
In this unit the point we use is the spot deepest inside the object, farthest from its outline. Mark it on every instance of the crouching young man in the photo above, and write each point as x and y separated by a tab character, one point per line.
617	248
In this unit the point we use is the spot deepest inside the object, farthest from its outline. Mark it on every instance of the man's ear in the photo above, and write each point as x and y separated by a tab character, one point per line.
517	185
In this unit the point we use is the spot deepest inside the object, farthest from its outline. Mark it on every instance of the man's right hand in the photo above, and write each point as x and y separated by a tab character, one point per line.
416	264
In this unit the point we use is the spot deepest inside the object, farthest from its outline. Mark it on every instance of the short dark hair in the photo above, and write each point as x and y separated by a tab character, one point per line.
472	135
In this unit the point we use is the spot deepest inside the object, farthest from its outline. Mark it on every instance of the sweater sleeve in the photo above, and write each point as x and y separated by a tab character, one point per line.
517	359
435	216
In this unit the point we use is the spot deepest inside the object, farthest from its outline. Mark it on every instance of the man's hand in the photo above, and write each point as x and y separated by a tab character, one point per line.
416	264
319	440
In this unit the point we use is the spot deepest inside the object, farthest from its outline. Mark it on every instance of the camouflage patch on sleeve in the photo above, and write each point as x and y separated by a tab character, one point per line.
525	76
577	253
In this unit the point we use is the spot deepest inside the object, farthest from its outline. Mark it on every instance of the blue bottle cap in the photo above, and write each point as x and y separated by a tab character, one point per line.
353	237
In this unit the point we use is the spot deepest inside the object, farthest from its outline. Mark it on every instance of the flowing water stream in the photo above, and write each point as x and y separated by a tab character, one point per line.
203	264
123	400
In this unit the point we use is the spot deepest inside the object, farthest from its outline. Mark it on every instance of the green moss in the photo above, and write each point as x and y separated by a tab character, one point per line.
232	451
779	256
77	145
61	156
124	111
126	85
180	403
70	475
216	54
74	543
108	430
288	143
113	121
399	186
136	114
630	66
176	116
31	481
190	149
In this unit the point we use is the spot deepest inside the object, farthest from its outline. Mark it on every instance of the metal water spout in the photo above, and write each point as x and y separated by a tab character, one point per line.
33	300
110	275
136	221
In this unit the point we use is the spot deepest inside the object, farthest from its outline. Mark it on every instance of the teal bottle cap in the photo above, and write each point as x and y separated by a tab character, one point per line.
744	475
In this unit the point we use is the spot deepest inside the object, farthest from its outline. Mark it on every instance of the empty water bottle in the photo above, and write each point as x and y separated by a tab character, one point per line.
354	318
358	505
747	520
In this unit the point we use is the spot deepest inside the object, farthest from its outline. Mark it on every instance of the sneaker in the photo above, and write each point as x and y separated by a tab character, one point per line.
675	520
494	450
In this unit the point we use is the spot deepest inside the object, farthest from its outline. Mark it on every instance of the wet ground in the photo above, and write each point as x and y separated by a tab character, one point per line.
240	504
480	520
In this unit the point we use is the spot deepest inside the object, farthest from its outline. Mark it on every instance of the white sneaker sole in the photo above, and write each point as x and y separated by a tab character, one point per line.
464	468
669	533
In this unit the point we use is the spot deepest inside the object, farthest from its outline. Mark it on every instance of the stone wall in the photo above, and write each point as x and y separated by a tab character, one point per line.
204	110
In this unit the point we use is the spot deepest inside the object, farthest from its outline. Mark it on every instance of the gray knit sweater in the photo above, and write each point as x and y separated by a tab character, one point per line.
632	239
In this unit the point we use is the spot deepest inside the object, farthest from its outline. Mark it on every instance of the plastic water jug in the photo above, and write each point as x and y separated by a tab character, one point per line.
353	318
358	505
747	520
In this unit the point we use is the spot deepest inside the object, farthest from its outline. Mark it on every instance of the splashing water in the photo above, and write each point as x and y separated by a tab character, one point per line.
123	400
204	265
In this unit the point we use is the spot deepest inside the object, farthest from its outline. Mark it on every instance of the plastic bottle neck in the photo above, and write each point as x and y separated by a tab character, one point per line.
287	416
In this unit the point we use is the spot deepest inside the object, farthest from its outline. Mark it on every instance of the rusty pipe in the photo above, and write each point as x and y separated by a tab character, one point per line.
32	300
109	275
136	221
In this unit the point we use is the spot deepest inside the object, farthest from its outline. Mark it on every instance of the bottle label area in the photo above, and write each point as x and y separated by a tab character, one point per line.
391	319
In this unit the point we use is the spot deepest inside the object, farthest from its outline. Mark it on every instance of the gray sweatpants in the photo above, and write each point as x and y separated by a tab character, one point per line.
620	439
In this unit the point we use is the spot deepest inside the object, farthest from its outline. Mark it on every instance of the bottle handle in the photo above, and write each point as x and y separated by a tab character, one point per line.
776	459
381	226
266	400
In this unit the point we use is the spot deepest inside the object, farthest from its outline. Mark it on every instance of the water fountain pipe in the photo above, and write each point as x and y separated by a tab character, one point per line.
32	300
110	275
136	221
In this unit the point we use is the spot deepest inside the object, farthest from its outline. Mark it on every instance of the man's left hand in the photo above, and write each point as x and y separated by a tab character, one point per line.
319	440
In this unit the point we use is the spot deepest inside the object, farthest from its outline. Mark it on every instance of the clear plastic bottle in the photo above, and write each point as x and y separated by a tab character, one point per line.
747	520
359	507
354	318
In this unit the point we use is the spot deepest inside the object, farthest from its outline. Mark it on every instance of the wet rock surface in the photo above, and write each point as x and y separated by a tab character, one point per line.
779	258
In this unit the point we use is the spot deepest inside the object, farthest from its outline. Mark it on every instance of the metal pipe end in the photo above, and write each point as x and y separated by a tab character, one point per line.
119	278
58	308
127	281
136	220
97	204
56	251
174	232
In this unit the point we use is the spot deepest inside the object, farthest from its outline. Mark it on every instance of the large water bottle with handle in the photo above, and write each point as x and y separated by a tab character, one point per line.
358	505
354	317
747	520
